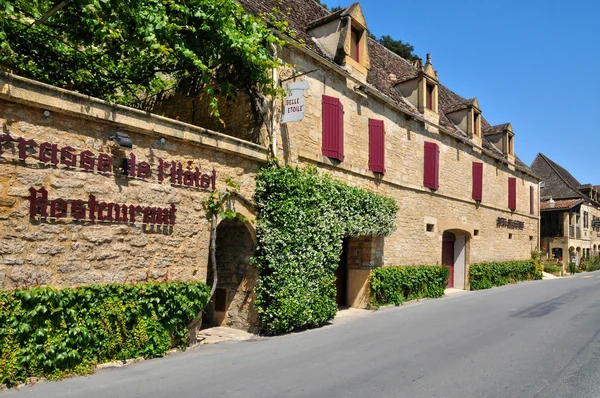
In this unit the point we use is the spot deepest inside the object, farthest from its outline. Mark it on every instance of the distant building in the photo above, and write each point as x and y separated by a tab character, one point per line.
568	212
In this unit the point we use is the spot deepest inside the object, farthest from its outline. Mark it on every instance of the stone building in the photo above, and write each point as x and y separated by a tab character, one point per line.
568	213
81	204
378	121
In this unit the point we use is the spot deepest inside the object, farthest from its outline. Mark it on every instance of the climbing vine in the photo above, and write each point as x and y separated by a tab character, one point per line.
303	216
53	333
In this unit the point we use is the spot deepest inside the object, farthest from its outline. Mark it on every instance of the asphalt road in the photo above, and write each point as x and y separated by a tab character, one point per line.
535	339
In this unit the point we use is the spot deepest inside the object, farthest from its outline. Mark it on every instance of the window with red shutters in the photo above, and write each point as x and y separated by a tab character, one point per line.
477	181
376	146
333	128
531	200
512	193
431	166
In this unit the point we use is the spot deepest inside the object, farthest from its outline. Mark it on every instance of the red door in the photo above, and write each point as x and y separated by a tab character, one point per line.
448	255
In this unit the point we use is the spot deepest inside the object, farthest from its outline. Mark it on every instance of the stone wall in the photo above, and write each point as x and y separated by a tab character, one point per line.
73	249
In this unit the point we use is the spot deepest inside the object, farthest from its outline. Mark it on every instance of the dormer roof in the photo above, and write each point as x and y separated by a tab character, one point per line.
498	129
462	105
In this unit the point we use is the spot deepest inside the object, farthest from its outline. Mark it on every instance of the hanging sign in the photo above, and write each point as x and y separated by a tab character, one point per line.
293	109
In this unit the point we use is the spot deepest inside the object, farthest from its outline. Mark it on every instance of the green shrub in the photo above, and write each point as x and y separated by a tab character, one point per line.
487	275
53	333
302	219
552	268
395	285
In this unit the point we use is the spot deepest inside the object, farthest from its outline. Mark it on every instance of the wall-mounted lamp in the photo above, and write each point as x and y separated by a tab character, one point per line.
162	140
122	139
552	203
46	113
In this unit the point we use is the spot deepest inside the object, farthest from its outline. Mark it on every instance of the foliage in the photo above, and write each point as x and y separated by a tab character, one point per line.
395	285
487	275
125	50
53	333
302	219
592	264
552	269
215	203
405	50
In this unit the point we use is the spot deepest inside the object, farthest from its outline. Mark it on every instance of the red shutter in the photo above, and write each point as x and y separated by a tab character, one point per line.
376	146
531	200
340	141
431	166
512	193
333	128
477	181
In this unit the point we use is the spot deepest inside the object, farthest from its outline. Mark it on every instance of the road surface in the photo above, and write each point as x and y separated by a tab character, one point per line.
535	339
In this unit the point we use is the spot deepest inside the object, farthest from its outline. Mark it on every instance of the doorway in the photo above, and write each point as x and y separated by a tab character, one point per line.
341	277
448	239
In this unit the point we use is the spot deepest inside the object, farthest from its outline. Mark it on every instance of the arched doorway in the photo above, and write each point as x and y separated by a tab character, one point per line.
454	256
233	302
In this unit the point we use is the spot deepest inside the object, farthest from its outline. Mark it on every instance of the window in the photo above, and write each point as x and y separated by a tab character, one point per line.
431	166
586	220
430	89
475	124
510	144
333	128
376	146
531	200
430	227
477	181
512	193
476	232
355	44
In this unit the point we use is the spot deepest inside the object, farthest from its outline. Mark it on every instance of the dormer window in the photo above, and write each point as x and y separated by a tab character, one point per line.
476	124
430	96
511	144
355	36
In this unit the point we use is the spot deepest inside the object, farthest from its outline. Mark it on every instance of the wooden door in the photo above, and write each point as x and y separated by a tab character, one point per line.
448	256
341	275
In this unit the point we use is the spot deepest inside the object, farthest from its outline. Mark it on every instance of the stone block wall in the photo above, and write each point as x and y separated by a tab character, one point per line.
68	251
451	207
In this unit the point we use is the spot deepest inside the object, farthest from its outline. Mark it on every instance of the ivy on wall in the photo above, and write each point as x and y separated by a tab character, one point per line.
488	275
395	285
302	218
54	333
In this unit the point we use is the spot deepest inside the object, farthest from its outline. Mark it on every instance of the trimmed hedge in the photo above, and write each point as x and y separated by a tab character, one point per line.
54	333
302	218
395	285
487	275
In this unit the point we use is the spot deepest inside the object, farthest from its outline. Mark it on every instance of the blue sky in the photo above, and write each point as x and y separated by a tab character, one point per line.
533	63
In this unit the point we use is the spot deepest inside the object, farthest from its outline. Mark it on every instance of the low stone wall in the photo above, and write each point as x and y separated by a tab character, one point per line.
75	208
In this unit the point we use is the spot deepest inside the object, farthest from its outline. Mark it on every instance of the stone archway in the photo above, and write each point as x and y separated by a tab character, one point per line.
233	302
455	255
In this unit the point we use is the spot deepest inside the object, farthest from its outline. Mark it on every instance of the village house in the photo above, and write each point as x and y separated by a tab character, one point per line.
364	114
570	214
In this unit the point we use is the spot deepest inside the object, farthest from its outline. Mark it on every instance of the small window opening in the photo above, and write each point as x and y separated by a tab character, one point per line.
510	145
476	232
476	124
355	44
509	236
530	237
430	227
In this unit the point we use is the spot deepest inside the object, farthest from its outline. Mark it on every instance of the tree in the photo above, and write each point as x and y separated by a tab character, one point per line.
126	50
405	50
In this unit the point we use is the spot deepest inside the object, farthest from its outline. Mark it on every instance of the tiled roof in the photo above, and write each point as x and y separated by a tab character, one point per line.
559	183
387	68
560	204
465	104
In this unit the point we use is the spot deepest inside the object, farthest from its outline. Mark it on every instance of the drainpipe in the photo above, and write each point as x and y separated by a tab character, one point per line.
275	78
